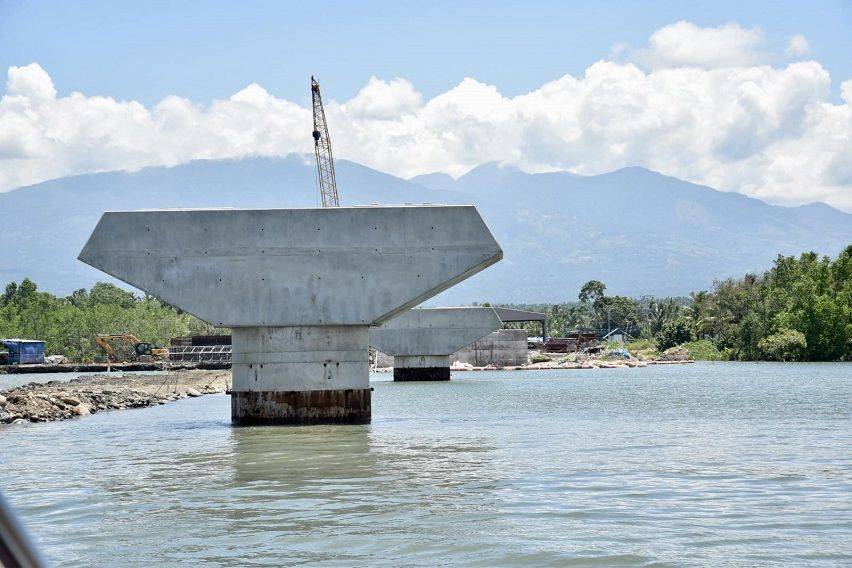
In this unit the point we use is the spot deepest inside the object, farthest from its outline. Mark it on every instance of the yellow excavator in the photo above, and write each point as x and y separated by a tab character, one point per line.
141	349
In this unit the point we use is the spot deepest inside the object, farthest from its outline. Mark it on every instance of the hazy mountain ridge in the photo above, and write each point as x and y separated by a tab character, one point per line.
639	231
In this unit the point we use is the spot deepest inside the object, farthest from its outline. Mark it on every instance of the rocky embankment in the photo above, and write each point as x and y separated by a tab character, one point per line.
45	402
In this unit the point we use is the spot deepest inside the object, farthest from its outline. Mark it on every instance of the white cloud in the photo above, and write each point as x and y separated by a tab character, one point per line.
683	44
769	132
798	46
384	100
30	82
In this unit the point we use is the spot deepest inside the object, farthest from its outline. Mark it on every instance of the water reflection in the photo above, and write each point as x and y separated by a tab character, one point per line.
332	493
337	457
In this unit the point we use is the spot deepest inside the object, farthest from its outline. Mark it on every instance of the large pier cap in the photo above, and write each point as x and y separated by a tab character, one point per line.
421	340
299	287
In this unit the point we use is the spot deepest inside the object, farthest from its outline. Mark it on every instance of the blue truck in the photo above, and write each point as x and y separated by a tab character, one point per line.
23	351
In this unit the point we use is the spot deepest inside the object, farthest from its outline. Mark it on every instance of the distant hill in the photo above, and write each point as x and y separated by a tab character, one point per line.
437	180
637	230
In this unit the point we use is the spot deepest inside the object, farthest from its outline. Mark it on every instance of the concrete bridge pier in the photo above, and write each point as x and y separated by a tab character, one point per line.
300	288
300	375
421	340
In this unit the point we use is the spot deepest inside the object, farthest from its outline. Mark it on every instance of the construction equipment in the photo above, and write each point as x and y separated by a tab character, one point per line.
322	148
140	348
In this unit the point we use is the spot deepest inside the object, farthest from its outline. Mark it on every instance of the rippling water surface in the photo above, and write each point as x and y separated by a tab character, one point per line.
707	464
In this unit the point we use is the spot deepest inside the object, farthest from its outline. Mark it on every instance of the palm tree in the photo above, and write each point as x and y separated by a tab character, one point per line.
661	311
700	313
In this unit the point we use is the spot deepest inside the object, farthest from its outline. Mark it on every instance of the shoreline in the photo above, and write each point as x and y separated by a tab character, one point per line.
224	366
556	365
45	368
62	400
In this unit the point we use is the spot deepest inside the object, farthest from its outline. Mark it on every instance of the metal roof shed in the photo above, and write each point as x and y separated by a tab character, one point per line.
513	315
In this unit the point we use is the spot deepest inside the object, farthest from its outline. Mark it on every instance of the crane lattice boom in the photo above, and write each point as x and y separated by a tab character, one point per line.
322	147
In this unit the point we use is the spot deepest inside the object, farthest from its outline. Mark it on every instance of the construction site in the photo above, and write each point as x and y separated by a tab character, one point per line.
314	299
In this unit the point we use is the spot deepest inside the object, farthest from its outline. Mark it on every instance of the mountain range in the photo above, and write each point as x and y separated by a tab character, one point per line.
640	232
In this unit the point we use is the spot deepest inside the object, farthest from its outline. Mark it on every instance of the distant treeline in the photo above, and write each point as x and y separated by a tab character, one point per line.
68	325
799	310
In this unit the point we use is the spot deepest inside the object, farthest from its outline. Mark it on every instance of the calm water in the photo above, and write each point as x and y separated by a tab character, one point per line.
709	464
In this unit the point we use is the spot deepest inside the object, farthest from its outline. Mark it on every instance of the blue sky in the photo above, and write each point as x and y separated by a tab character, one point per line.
752	97
208	50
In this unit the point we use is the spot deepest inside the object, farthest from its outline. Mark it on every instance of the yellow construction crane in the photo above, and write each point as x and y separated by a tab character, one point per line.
322	148
140	348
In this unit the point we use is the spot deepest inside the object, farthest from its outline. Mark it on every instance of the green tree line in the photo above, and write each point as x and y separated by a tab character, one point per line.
68	325
799	310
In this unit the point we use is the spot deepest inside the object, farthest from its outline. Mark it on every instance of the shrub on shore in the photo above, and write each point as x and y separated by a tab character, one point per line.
703	350
785	345
643	349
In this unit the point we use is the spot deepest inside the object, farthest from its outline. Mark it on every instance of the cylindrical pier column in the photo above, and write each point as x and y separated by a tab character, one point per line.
421	368
300	375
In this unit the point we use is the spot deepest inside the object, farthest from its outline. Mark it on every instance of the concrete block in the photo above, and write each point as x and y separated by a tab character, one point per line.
504	347
293	267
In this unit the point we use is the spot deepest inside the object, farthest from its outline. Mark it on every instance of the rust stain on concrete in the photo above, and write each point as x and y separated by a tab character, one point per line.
345	406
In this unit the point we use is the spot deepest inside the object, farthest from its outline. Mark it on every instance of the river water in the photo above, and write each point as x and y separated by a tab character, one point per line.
725	464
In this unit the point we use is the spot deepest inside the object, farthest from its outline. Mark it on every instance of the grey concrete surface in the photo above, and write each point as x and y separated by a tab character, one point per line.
504	347
433	331
420	361
292	267
300	358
